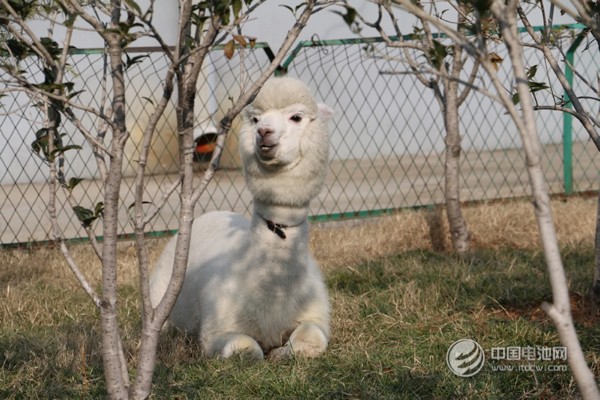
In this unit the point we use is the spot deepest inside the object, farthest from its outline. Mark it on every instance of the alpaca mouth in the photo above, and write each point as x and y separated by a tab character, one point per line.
267	147
267	150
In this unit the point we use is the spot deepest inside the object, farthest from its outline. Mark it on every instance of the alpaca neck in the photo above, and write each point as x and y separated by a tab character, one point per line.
281	252
282	231
280	215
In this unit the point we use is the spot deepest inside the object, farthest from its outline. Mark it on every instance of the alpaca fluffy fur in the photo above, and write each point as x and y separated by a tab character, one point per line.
253	286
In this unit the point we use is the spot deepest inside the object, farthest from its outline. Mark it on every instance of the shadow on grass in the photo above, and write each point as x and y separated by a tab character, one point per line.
58	362
328	377
511	278
424	301
393	321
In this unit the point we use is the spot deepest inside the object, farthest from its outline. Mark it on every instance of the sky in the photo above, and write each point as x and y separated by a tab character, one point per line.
270	23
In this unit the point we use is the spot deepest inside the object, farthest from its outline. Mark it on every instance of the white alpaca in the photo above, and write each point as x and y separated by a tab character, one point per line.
252	286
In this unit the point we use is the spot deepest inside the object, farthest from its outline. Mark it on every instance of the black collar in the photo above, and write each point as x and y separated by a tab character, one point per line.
276	228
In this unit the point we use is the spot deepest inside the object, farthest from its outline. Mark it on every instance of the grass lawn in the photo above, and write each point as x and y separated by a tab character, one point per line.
398	305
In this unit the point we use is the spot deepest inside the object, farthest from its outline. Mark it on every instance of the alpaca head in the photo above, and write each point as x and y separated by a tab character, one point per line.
284	143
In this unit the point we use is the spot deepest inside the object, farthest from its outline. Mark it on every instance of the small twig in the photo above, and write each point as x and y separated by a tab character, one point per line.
36	45
429	70
581	114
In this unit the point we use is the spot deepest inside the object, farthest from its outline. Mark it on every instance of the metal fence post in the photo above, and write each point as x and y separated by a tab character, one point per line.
568	127
568	118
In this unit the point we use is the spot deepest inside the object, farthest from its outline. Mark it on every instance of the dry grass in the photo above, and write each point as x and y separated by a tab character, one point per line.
398	302
506	224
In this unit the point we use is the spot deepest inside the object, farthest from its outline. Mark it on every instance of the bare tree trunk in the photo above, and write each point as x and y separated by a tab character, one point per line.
115	370
437	231
452	101
448	98
458	226
560	309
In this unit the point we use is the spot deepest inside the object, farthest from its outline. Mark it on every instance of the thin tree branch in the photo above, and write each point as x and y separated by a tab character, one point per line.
560	311
573	98
469	84
563	109
36	45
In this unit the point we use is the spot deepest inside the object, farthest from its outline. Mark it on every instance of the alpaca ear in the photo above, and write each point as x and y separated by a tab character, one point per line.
324	112
248	112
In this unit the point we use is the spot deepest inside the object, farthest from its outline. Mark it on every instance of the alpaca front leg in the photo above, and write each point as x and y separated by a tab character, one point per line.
308	340
226	345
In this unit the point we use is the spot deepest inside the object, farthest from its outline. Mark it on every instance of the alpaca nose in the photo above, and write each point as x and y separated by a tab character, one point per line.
265	131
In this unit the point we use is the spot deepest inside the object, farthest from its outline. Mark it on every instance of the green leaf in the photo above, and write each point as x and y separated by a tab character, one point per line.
71	95
533	87
51	47
417	33
198	20
149	100
482	6
201	6
99	210
292	10
72	183
84	215
516	98
349	17
87	216
131	61
221	9
25	9
69	17
40	144
537	86
69	86
62	150
531	71
236	7
134	6
437	53
54	114
19	49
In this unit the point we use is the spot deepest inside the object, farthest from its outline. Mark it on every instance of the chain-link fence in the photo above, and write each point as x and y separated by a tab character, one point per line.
387	136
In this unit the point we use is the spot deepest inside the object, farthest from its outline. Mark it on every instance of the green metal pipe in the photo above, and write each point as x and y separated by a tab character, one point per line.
568	130
568	118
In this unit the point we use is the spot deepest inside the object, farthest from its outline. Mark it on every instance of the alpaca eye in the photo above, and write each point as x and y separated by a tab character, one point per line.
296	118
255	120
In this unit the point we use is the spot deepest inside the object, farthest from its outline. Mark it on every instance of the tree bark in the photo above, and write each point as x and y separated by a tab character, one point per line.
115	370
448	98
458	226
560	310
456	221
